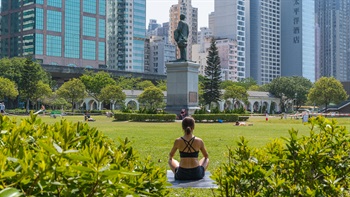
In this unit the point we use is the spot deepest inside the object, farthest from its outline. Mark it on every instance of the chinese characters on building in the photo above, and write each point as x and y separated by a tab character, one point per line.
296	22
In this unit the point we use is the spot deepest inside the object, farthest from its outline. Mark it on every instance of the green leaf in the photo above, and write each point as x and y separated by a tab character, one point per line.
10	192
70	151
83	168
47	148
57	183
131	173
77	157
12	159
57	147
8	174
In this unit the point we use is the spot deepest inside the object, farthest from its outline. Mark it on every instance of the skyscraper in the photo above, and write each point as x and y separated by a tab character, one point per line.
126	34
152	25
333	18
230	22
265	40
298	39
61	32
191	13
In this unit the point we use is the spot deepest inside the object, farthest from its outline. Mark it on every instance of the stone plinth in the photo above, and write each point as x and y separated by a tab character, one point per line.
182	87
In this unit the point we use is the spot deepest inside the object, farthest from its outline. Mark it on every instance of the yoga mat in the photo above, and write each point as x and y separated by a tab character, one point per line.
206	182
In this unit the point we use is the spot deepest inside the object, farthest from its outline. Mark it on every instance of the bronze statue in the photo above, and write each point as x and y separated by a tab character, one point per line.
181	36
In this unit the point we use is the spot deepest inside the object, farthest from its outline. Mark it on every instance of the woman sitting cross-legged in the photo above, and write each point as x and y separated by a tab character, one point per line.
189	146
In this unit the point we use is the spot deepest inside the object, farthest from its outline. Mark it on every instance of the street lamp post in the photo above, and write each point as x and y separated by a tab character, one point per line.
295	100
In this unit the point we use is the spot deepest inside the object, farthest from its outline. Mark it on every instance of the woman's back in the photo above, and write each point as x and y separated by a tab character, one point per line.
189	147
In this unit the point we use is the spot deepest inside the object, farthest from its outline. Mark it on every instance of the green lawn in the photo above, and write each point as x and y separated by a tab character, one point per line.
156	139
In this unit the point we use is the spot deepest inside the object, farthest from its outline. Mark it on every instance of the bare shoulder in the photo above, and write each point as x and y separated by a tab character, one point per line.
199	139
177	140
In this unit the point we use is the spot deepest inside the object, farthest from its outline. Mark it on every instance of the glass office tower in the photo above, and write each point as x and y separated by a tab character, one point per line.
126	34
332	17
55	32
298	39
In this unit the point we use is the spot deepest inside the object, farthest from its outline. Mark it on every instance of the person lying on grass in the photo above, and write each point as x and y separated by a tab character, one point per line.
189	146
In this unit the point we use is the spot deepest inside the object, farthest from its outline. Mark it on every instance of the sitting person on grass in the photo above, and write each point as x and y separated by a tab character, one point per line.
189	146
240	123
87	117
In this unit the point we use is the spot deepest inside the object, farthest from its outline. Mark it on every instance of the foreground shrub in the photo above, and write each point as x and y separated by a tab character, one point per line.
67	159
315	165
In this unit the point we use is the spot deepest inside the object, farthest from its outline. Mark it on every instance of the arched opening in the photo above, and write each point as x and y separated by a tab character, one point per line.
273	108
132	105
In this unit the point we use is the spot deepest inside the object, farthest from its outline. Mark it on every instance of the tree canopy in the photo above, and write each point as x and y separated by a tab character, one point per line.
72	91
95	82
152	98
128	83
290	89
212	80
144	84
7	88
327	90
42	90
113	94
236	92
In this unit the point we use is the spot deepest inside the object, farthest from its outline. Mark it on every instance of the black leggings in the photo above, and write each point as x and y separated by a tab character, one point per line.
189	173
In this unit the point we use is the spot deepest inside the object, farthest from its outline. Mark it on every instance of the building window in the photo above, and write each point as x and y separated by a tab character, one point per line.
102	7
54	21
89	49
101	51
39	44
53	45
102	28
89	6
54	3
89	26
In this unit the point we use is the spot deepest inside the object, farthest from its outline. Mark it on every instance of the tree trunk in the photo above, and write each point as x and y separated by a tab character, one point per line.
27	106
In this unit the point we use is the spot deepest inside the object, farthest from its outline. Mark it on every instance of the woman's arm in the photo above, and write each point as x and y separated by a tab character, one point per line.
204	150
173	150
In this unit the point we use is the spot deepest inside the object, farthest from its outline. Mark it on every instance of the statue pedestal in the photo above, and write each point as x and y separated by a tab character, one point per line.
182	87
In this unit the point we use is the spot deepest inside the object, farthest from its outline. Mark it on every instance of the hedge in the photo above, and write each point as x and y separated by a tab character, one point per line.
145	117
217	117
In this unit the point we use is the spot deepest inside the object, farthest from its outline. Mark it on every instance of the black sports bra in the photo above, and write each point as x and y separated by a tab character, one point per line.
189	148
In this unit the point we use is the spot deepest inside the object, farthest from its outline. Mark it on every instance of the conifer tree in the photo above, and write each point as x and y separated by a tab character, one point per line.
212	78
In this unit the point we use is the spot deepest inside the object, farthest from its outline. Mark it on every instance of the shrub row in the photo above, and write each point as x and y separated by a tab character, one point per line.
145	117
66	159
314	165
217	117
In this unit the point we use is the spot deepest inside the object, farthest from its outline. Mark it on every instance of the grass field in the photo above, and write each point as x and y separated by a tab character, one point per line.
156	139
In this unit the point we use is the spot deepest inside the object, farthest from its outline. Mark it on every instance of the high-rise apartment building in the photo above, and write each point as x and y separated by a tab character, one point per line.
191	13
61	32
211	21
161	52
202	37
227	49
230	22
298	38
333	18
126	34
152	25
265	40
